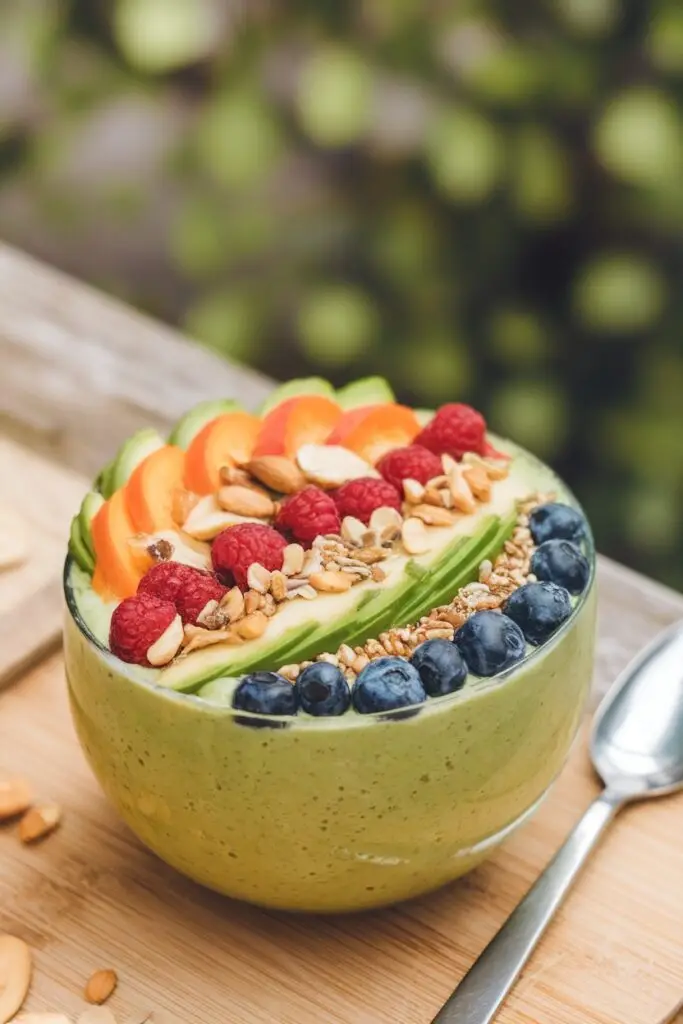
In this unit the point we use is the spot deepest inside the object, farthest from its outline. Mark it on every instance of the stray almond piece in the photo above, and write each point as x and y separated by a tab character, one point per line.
463	499
293	559
15	976
353	530
433	516
39	821
332	465
182	503
167	646
208	614
15	797
278	586
100	986
434	496
207	519
251	627
235	475
244	501
196	638
479	482
413	490
232	604
97	1015
258	578
385	517
331	582
414	536
378	574
278	473
496	469
252	601
305	590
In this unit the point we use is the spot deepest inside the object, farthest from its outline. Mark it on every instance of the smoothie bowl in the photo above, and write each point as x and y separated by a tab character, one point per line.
327	658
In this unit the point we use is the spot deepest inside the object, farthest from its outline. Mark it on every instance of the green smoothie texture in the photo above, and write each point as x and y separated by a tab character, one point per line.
328	814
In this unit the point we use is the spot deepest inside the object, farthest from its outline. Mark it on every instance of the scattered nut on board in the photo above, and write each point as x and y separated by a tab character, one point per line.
15	797
100	986
39	821
15	976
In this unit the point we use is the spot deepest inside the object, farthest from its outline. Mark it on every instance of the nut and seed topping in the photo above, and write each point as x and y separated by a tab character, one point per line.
293	560
246	501
331	582
258	578
277	473
431	515
331	466
39	821
413	491
414	536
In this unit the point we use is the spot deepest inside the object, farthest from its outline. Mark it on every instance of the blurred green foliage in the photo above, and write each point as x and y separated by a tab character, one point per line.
482	201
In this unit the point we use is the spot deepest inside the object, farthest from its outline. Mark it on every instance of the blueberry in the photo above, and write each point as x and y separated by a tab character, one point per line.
561	562
323	690
539	609
441	667
265	693
556	522
386	684
490	642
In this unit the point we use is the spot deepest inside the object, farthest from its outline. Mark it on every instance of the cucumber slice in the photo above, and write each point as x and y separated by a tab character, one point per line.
103	481
294	388
366	391
78	548
91	505
187	428
131	453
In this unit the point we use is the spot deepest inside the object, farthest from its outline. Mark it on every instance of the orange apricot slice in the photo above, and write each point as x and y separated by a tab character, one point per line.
375	430
305	419
226	441
150	490
118	568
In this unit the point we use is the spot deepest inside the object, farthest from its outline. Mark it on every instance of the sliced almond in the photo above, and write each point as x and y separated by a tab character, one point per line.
463	499
346	655
414	536
434	496
413	490
253	601
258	578
16	797
479	482
232	604
278	586
368	556
332	465
39	821
209	615
353	530
278	473
305	590
312	563
243	501
207	519
237	475
433	516
251	627
446	497
197	638
100	986
384	518
496	469
331	582
165	648
182	503
378	574
15	976
96	1015
293	559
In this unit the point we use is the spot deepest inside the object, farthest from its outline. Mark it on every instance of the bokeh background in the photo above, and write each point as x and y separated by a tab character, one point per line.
480	200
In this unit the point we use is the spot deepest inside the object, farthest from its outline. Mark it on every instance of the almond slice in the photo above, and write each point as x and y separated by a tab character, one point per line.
15	976
353	530
15	797
293	559
332	465
278	473
100	986
197	638
413	490
39	821
331	582
414	536
496	469
251	627
463	499
385	518
232	604
278	586
207	519
479	482
244	501
432	515
258	578
168	644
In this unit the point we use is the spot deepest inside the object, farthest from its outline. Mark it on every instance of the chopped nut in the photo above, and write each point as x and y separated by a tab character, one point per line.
479	482
485	570
252	626
15	797
435	496
346	655
39	821
100	986
331	582
232	604
369	556
433	516
236	475
463	499
208	616
329	659
332	465
306	591
278	586
253	602
207	519
165	648
293	560
378	574
384	518
413	491
353	530
197	638
312	563
278	473
15	975
290	672
414	536
258	578
245	501
359	663
182	503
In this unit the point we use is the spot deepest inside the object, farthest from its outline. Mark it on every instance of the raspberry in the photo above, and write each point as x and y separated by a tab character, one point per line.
136	624
361	497
238	547
189	589
309	514
455	429
412	462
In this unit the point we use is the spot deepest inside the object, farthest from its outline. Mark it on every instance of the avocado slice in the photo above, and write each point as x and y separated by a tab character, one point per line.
78	548
196	419
366	391
294	388
130	455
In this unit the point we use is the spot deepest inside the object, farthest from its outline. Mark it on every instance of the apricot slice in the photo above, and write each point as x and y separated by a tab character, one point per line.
226	441
375	430
150	490
306	419
118	568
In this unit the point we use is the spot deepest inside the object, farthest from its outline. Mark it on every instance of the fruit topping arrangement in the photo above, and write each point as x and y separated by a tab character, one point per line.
201	540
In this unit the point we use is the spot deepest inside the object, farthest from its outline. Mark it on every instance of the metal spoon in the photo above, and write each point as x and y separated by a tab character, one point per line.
637	749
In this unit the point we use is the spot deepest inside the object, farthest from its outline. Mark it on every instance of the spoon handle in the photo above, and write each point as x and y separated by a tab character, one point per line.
479	995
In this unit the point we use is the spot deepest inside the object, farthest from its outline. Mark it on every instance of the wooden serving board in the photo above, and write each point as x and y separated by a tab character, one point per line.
91	897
